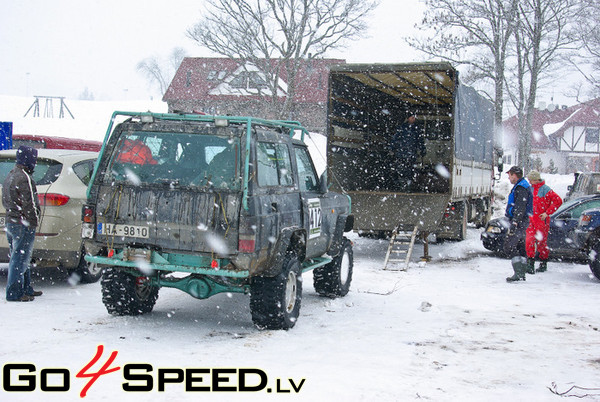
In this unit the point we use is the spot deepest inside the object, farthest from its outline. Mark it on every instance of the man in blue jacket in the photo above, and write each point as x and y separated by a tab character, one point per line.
518	211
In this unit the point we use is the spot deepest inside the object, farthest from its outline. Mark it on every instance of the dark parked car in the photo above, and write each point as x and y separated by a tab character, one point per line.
561	238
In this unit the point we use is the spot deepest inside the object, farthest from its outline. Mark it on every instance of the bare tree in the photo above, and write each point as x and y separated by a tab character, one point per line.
544	30
278	36
586	59
160	72
475	33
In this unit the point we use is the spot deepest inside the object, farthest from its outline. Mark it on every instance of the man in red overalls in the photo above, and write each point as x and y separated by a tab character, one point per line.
135	151
545	203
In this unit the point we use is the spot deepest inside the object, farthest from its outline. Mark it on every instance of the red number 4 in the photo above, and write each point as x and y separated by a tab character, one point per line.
94	376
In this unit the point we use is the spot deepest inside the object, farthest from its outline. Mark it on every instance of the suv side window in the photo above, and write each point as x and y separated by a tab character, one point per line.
306	172
273	165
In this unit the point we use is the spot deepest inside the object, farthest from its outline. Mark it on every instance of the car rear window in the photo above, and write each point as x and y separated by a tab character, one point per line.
197	160
46	170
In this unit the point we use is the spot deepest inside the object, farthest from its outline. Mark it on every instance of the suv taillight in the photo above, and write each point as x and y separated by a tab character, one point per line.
53	200
88	227
247	234
87	214
247	243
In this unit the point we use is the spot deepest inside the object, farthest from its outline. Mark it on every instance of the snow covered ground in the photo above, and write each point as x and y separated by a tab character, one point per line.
451	329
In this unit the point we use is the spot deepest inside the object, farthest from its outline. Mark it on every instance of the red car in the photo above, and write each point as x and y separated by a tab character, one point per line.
44	141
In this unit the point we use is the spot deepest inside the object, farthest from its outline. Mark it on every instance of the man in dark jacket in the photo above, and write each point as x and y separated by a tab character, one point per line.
407	145
19	197
518	211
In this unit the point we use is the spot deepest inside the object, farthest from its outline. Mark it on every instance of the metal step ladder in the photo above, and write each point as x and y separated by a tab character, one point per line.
402	243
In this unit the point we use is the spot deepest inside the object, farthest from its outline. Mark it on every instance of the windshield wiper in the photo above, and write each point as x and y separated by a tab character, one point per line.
172	183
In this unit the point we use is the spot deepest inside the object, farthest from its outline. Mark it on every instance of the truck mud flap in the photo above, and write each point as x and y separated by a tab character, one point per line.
274	264
344	224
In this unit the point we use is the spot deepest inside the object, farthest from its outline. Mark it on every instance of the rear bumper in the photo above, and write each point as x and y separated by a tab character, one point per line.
55	249
48	258
152	260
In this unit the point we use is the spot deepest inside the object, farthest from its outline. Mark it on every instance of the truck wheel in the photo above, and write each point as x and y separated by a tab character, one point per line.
125	294
275	302
462	226
333	279
88	272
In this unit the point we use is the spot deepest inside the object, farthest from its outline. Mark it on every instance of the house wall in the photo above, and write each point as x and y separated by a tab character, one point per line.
311	115
577	154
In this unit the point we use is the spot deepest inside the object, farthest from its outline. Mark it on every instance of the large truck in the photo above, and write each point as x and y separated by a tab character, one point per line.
452	181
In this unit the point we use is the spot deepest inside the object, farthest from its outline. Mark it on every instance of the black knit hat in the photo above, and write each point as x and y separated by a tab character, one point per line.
27	156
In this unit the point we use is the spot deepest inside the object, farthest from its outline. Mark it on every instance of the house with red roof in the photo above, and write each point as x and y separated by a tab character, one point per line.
563	138
221	86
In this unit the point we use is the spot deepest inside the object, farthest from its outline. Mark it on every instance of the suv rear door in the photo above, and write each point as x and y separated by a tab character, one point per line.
177	191
275	194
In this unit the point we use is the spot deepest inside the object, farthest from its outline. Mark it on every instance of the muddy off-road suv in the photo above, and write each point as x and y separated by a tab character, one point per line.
211	204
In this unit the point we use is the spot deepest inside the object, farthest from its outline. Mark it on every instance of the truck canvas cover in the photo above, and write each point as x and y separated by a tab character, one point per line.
367	104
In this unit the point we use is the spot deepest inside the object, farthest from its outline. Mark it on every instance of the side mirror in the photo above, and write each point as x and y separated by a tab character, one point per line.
323	183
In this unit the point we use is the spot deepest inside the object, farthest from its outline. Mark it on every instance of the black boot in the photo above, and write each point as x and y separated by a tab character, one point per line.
519	265
543	266
531	266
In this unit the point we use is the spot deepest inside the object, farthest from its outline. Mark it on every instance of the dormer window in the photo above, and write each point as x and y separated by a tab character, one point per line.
215	75
248	80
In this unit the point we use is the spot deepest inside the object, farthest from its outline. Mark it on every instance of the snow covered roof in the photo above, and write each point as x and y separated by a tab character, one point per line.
547	124
552	128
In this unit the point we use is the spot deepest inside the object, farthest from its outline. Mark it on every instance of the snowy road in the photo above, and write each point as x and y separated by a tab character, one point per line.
452	329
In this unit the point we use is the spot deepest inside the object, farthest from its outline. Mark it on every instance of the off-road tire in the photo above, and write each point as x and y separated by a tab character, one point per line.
275	301
594	249
88	272
125	294
333	280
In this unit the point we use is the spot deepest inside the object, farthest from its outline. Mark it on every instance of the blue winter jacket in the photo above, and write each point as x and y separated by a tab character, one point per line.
520	203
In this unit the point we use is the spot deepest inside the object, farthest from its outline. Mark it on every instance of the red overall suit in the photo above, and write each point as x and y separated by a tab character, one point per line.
135	152
544	200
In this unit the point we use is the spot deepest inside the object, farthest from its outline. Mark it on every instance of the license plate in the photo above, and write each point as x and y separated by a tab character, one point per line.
123	230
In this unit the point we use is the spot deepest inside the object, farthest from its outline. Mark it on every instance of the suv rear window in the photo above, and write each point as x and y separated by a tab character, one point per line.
46	170
195	160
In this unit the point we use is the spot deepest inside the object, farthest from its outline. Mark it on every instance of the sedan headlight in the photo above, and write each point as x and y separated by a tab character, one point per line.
494	229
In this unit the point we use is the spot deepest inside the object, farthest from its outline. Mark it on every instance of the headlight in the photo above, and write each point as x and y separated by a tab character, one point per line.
493	229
